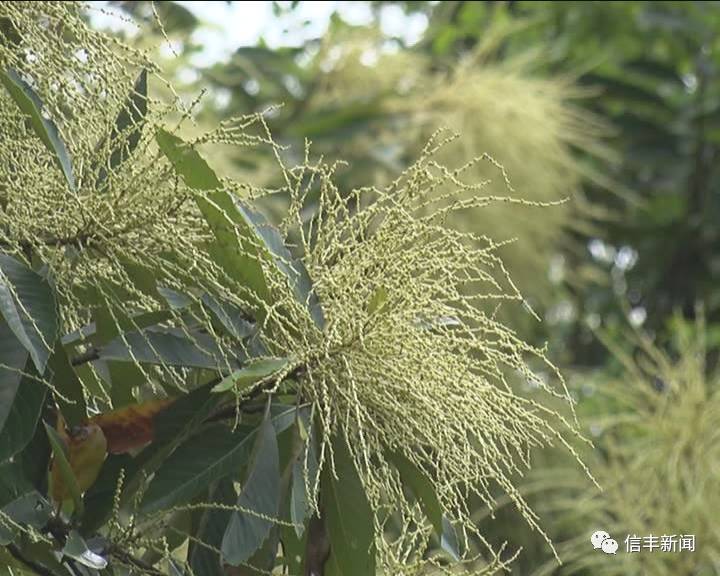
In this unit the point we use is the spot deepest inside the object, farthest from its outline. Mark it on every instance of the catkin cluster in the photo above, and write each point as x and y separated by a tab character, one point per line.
410	358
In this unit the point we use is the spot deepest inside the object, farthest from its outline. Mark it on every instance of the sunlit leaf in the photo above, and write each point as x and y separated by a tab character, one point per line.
253	371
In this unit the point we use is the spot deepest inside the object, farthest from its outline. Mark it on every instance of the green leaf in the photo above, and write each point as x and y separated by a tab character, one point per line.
21	397
29	102
169	347
211	529
27	303
242	235
348	517
422	487
20	501
230	316
126	133
68	384
196	173
260	495
254	371
99	498
205	458
294	269
60	455
299	506
173	426
176	300
13	357
77	549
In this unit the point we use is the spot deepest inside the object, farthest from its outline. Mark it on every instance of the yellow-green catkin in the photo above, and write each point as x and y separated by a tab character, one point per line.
531	123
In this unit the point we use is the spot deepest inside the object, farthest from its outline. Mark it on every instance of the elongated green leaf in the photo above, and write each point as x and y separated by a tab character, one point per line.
211	529
67	382
173	426
348	517
21	397
260	496
126	133
234	248
421	486
29	102
176	300
294	269
299	508
60	455
306	462
168	347
229	316
252	372
216	453
242	235
13	357
27	303
187	161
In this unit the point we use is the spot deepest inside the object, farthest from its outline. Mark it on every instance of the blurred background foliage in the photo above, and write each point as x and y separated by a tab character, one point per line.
611	110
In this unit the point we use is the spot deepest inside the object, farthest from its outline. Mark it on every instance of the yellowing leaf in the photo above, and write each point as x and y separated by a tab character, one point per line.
131	426
84	449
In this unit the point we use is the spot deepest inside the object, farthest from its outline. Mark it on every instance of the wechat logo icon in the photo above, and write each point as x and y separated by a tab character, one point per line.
601	540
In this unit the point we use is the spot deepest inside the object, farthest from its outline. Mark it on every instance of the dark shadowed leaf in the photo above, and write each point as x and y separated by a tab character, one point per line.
422	487
294	269
348	517
230	316
210	531
27	303
126	133
205	458
168	347
20	501
21	396
68	384
260	496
